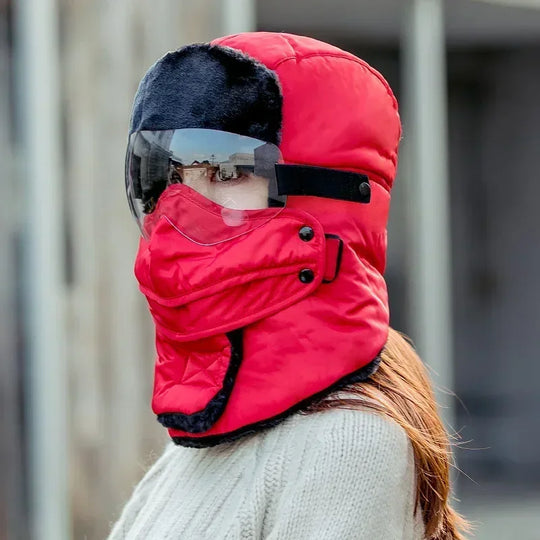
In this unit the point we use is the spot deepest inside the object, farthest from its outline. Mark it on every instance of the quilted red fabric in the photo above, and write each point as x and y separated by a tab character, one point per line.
299	339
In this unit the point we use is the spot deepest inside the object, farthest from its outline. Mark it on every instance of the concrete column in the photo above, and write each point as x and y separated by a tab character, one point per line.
426	165
40	170
238	16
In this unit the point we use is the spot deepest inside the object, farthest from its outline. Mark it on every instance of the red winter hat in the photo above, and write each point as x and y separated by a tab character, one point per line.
251	329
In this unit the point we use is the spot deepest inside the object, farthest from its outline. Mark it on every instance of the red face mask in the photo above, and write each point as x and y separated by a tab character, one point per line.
196	290
248	328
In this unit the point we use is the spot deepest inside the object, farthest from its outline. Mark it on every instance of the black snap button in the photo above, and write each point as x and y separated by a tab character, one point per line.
365	190
306	275
306	233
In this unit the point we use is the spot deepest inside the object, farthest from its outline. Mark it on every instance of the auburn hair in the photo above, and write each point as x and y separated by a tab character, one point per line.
401	390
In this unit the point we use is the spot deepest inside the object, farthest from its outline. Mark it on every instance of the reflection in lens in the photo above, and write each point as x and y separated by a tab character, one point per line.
230	184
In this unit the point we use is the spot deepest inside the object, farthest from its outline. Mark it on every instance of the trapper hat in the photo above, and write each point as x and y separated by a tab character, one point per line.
260	307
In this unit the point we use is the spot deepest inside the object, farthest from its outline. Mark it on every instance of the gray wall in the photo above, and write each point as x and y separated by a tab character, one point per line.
495	166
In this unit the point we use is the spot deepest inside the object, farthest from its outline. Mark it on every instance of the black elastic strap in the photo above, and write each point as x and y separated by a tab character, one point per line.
322	182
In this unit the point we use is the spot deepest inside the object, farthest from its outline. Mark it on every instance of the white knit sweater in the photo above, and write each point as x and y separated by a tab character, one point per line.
333	475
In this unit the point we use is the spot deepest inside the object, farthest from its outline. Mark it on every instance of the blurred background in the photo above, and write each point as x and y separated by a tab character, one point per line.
76	343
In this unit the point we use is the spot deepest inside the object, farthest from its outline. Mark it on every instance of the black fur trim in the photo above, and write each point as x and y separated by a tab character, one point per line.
212	87
213	440
202	421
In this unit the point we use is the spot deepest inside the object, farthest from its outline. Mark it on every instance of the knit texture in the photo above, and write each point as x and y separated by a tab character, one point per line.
337	474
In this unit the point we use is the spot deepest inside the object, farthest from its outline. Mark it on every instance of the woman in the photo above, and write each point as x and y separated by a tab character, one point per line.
259	170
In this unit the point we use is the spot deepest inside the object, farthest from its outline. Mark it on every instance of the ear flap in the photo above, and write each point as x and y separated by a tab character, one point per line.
210	368
212	87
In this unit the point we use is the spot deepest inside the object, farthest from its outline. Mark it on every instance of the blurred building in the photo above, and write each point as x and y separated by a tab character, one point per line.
494	114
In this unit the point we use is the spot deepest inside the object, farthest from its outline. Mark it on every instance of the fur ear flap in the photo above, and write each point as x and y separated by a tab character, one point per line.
212	87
